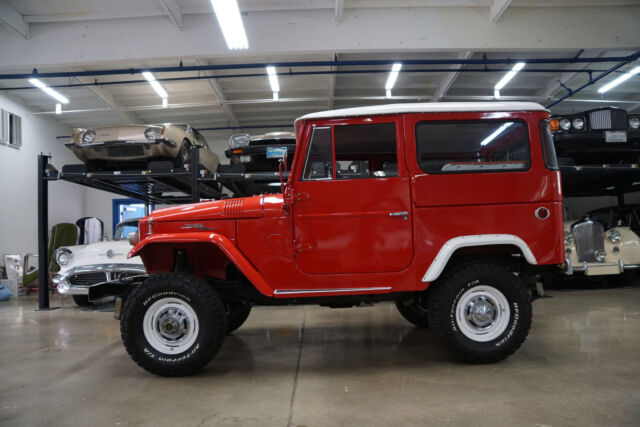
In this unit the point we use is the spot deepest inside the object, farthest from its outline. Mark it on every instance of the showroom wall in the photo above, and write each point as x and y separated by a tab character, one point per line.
18	188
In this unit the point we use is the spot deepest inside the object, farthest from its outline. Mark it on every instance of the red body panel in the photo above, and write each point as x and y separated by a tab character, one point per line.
336	237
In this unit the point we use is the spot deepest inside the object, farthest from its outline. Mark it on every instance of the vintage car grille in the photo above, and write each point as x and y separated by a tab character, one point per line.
608	119
125	150
88	279
589	236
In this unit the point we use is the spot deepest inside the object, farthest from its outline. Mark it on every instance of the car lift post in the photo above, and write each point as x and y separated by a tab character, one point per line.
195	170
43	233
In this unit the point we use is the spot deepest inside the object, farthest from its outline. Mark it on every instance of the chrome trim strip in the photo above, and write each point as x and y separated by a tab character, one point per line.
324	291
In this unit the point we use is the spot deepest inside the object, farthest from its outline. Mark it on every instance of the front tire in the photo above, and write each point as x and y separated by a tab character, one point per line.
184	155
480	313
82	300
173	324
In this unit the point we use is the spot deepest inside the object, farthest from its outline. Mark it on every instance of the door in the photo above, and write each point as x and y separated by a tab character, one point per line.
352	208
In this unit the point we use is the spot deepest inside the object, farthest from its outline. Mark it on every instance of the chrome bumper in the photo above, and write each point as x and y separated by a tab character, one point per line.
592	269
67	288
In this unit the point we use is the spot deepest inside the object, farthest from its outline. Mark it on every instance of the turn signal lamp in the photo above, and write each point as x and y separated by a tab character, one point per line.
554	124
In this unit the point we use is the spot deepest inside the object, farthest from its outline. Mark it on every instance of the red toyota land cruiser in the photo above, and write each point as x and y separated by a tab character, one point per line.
452	210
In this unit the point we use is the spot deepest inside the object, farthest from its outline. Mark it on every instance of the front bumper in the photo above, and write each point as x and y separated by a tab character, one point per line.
109	272
124	150
599	269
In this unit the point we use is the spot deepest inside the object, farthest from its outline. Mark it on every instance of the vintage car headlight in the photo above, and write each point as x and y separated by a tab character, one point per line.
151	133
133	238
601	255
88	136
578	123
565	124
568	239
634	122
614	236
63	256
241	140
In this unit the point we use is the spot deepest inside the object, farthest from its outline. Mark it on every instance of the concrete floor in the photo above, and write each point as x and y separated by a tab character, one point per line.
313	366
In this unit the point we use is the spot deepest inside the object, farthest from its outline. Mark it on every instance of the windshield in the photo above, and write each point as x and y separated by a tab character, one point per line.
124	228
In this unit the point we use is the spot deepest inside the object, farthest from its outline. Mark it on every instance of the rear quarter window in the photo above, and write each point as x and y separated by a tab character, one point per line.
473	146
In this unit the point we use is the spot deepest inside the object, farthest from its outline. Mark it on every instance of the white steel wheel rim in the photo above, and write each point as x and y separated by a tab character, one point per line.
170	326
482	313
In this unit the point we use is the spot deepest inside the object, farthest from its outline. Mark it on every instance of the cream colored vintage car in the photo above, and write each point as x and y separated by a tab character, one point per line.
85	265
133	146
594	250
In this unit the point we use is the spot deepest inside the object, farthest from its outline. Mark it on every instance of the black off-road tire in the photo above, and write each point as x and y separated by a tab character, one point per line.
414	309
237	314
442	307
82	300
189	290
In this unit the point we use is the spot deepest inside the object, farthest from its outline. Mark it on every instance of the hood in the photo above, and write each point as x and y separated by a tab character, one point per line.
246	207
108	252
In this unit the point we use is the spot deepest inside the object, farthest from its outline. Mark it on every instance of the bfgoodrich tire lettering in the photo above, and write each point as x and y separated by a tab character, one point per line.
173	324
480	313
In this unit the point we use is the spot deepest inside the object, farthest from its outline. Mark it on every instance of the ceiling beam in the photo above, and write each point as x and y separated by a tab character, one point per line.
12	19
173	10
449	79
220	96
497	9
338	11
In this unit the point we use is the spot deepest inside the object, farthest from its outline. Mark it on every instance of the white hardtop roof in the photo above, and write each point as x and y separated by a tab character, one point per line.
426	107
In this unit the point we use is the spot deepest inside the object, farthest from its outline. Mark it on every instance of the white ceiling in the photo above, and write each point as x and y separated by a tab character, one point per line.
56	35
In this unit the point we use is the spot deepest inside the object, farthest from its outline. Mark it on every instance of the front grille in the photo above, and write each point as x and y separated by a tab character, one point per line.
131	150
88	279
611	119
589	237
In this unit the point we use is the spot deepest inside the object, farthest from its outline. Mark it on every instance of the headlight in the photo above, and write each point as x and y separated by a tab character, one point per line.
634	122
151	133
568	239
63	256
614	236
88	136
578	123
565	124
133	238
239	140
601	255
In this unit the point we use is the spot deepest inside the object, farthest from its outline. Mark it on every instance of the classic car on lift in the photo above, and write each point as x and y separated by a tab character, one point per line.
602	136
604	242
134	146
454	209
261	153
85	265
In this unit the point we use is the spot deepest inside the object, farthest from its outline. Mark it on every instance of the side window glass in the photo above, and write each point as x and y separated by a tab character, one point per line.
366	151
319	156
548	149
473	146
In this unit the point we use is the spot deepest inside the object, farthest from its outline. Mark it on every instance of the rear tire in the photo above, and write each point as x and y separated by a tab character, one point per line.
173	324
414	309
82	300
480	313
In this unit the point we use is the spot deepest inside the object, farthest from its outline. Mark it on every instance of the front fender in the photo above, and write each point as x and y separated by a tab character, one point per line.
222	242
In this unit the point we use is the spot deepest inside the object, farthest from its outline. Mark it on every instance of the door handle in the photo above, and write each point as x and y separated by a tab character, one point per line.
403	214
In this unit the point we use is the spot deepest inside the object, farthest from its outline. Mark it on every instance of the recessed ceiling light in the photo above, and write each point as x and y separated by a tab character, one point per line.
621	79
230	21
511	74
157	87
52	93
393	76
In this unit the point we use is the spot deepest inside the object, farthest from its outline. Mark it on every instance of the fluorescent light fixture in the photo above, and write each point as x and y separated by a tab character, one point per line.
230	22
52	93
496	133
155	85
388	93
275	96
393	76
273	78
621	79
507	77
58	108
496	93
165	102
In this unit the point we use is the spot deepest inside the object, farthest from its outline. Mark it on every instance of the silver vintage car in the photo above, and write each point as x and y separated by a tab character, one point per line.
133	146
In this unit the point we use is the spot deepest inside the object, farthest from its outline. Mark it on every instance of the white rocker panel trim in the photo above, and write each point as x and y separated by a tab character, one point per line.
441	260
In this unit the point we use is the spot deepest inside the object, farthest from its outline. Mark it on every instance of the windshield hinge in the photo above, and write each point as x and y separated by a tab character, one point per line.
303	196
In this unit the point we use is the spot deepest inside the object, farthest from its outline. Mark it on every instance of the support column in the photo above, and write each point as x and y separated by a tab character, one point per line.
43	233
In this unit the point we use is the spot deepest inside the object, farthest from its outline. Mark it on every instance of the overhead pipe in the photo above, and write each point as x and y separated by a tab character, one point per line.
331	63
308	73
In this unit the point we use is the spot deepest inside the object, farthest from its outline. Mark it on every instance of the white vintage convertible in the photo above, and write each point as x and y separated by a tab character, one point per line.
85	265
